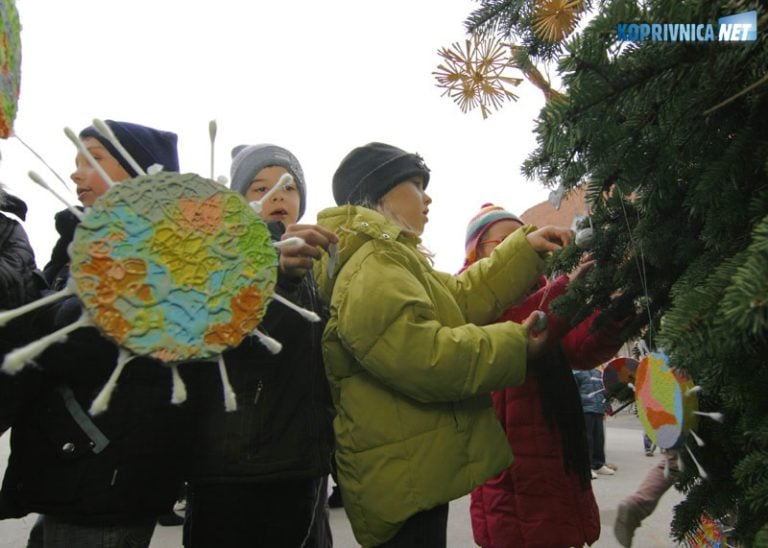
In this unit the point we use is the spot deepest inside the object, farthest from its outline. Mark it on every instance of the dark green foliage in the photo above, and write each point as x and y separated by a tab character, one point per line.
676	172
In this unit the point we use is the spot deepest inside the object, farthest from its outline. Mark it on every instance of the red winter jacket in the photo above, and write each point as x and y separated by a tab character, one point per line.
534	503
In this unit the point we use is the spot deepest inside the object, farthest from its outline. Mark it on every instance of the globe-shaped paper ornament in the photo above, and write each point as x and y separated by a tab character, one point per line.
666	403
173	266
619	376
10	65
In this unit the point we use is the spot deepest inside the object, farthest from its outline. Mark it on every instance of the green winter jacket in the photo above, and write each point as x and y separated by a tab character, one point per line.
411	372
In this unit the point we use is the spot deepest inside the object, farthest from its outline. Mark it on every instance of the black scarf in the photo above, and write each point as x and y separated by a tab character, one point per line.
561	407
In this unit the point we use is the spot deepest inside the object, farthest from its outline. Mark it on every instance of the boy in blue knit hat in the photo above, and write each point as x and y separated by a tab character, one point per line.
100	480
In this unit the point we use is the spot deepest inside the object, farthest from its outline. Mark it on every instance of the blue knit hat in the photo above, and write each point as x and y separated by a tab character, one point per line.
248	160
147	145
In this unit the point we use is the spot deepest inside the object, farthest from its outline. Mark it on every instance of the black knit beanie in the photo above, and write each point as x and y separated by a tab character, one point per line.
147	145
370	171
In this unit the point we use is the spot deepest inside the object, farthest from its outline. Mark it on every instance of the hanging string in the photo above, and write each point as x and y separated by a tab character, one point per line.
29	148
640	262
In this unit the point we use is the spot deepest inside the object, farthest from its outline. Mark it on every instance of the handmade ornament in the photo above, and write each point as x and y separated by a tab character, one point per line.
10	66
171	266
666	405
619	376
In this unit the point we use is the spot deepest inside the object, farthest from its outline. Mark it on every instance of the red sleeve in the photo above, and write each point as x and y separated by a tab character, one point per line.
587	350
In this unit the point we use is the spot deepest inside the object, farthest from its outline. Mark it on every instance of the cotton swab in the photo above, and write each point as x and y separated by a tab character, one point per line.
39	180
8	315
714	416
306	314
288	242
212	129
107	132
285	179
14	361
271	344
230	399
101	402
88	156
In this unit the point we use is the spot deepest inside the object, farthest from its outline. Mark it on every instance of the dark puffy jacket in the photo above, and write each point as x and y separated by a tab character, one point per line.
283	424
119	467
56	272
591	390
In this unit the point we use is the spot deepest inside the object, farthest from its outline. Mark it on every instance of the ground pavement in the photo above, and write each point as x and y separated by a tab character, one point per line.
624	447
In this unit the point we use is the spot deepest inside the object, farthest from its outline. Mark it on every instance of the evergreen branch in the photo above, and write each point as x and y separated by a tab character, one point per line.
744	91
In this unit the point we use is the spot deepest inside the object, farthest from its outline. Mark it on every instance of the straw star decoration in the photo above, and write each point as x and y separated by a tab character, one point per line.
473	75
556	19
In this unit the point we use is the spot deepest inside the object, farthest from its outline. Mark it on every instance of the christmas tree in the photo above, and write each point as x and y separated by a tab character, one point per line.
670	140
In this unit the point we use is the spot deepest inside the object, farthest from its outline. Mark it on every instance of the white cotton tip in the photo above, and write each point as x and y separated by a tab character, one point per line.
699	441
702	472
101	402
693	390
39	180
230	399
8	315
541	321
222	180
303	312
256	207
595	393
284	180
680	462
666	468
272	345
333	259
154	169
212	129
14	361
107	132
631	386
88	156
179	394
288	242
719	417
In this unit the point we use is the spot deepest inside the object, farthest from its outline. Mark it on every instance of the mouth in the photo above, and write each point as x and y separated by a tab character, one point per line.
81	192
277	214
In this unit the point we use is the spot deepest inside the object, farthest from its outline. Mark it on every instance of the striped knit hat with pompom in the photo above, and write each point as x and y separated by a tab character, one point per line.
488	215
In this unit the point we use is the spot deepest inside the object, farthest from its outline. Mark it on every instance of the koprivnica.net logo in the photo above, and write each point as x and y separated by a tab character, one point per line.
741	27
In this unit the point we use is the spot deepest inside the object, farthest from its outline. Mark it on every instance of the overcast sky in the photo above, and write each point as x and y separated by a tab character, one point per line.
318	78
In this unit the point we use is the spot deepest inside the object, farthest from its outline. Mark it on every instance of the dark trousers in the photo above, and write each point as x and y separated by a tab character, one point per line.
595	439
277	514
427	529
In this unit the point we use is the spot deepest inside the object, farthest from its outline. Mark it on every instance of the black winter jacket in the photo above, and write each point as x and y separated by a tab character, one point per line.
283	424
119	467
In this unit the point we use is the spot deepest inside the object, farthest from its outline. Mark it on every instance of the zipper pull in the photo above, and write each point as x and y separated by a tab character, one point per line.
259	388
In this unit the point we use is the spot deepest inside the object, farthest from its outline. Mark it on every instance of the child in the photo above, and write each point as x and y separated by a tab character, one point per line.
259	473
103	480
148	146
410	375
545	497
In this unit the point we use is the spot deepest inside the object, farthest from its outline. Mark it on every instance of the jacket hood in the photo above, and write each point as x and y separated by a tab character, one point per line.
355	226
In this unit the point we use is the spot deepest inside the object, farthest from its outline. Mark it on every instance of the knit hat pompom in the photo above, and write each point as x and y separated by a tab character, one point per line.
370	171
488	215
148	146
248	160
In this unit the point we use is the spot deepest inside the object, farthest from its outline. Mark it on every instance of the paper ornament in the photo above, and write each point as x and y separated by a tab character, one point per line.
173	266
10	66
667	403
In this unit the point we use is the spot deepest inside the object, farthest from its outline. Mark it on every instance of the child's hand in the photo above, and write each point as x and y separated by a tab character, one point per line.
550	238
295	260
537	337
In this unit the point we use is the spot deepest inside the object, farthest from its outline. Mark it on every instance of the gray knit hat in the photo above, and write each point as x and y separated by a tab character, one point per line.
248	160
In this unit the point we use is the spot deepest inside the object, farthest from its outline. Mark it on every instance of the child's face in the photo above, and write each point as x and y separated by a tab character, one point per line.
494	236
410	203
88	182
283	205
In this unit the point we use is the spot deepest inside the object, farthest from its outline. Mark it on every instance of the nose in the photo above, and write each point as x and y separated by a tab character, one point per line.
427	199
77	175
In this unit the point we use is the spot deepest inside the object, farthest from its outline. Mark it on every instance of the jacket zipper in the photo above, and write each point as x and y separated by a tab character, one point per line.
259	388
